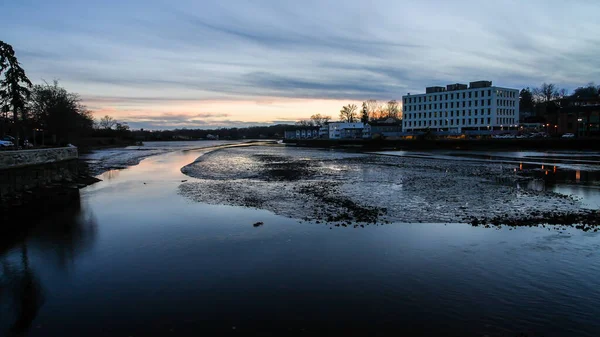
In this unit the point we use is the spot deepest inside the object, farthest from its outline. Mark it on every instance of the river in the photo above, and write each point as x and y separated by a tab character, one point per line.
137	256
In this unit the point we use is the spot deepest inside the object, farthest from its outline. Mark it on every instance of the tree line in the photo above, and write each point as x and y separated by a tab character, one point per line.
371	110
530	99
46	114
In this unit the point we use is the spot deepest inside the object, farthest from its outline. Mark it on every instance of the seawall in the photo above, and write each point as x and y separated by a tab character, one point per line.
25	170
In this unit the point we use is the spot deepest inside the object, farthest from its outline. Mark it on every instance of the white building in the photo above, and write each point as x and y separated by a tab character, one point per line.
342	130
457	108
302	133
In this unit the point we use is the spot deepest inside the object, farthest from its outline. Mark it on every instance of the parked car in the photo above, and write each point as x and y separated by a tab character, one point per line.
9	139
6	143
568	135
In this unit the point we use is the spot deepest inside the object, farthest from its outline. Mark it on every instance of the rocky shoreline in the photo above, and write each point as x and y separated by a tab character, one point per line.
585	220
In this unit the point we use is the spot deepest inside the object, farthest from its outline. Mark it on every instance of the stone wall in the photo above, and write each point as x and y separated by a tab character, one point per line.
24	170
15	159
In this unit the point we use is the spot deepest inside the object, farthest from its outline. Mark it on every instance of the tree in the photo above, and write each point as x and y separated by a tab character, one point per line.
107	122
319	120
546	92
526	100
391	109
59	113
590	90
15	87
364	116
374	109
348	113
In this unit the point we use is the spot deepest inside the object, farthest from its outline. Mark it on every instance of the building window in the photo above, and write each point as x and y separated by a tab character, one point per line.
489	101
446	105
475	94
482	102
475	103
463	95
451	96
451	113
469	94
446	96
482	121
489	111
469	103
429	106
435	105
489	92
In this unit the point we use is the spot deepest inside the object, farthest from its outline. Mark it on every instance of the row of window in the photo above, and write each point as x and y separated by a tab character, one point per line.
457	122
470	94
430	106
435	114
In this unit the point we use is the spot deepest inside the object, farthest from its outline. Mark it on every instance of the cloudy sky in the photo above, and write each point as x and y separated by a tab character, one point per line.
166	64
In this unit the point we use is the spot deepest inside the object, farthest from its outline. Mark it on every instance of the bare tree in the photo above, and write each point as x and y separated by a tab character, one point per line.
374	109
107	122
546	92
392	110
305	122
348	113
319	120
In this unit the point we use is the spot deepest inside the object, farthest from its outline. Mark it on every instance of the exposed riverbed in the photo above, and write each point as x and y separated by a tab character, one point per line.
357	189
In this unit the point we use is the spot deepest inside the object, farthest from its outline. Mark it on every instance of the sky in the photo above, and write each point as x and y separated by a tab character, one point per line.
205	64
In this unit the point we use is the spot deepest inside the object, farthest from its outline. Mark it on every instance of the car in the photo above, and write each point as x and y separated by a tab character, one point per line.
568	135
6	143
9	139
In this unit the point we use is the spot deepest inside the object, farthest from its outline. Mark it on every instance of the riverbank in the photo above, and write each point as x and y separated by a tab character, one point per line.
539	144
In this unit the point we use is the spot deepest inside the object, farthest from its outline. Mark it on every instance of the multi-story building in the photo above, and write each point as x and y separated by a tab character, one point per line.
457	108
343	130
306	133
388	128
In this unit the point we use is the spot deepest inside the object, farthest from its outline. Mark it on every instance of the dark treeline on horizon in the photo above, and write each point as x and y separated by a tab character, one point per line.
252	132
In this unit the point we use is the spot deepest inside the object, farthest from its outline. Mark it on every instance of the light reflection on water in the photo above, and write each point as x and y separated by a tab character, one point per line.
138	259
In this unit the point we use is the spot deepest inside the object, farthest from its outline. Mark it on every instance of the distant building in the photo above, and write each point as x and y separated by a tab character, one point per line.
580	116
343	130
457	108
324	131
304	133
212	137
388	128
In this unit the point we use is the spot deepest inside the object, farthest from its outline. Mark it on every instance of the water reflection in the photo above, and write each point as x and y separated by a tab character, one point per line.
110	175
58	237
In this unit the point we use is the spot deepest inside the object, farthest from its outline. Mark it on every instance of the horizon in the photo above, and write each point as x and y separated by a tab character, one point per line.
215	65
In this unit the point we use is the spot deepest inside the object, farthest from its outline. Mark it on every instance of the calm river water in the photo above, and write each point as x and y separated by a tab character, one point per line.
136	258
